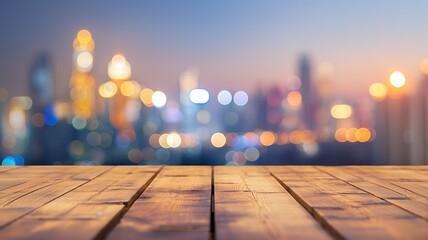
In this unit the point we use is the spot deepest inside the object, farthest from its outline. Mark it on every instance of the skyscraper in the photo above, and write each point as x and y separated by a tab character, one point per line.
305	75
82	83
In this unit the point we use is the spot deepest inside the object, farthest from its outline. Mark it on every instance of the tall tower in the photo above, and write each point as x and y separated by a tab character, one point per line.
306	91
41	86
41	92
119	70
82	83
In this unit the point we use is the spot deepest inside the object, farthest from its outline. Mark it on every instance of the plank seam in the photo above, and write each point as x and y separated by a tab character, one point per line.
108	228
212	215
34	209
383	199
334	233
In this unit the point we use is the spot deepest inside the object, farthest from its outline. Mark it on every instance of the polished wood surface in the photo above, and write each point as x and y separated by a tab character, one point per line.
222	202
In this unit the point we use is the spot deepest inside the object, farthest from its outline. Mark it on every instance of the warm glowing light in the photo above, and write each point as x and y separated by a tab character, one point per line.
267	138
351	135
378	91
84	37
107	90
199	96
146	97
17	118
24	102
173	140
85	61
119	68
340	135
363	135
341	111
218	140
424	66
130	88
294	99
240	98
163	140
159	99
397	79
224	97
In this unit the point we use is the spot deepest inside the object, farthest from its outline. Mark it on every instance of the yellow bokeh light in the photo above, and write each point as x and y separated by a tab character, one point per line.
397	79
130	88
84	37
119	68
267	138
363	135
378	91
84	61
424	66
294	98
108	90
341	111
146	97
173	140
218	140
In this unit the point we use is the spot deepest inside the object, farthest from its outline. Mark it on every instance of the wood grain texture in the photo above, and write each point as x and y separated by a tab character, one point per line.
103	194
251	204
347	210
176	205
188	202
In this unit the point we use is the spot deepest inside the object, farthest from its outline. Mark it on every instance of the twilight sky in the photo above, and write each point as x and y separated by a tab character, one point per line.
235	44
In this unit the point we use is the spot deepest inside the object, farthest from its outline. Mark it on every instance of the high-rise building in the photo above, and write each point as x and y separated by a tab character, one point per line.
41	92
305	75
82	83
41	84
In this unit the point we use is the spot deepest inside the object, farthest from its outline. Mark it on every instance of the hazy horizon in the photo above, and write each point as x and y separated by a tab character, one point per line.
235	45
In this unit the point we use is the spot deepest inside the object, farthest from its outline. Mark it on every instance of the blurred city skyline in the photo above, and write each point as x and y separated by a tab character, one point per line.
235	45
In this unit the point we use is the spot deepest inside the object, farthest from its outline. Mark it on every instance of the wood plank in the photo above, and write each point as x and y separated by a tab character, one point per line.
350	211
176	205
4	168
388	191
77	209
45	185
251	204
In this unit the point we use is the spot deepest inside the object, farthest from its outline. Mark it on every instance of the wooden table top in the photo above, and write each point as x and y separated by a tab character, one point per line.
187	202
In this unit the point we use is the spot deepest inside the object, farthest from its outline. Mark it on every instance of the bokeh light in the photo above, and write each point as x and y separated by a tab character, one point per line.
146	97
84	37
85	61
397	79
119	68
294	99
240	98
424	66
199	96
173	140
159	99
378	91
267	138
224	97
218	140
107	90
341	111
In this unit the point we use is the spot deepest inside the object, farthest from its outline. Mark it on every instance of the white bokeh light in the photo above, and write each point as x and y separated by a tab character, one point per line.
224	97
199	96
240	98
159	99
